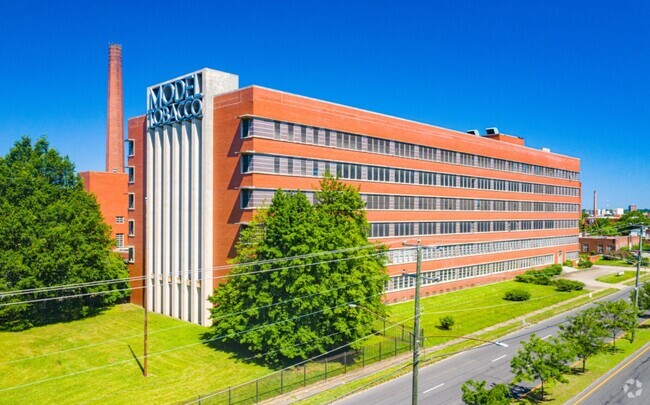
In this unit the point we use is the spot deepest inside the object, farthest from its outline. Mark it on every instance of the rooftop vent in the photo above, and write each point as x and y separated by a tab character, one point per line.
492	131
546	150
473	132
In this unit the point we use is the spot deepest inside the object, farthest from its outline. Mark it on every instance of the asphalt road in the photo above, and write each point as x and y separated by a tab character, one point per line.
441	383
627	384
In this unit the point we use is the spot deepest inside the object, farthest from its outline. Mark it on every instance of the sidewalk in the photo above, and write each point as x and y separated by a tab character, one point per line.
314	389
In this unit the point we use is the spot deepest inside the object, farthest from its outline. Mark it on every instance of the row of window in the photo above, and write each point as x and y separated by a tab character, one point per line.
398	256
402	282
255	198
351	171
325	137
387	229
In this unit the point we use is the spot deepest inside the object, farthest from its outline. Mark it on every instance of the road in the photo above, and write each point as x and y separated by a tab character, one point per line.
441	383
629	383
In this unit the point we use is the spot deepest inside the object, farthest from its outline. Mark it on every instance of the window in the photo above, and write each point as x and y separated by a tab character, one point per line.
131	171
246	163
245	128
600	248
276	131
119	220
290	132
315	136
327	137
131	227
290	165
379	230
131	258
131	201
119	240
303	134
303	167
130	147
585	248
276	165
246	197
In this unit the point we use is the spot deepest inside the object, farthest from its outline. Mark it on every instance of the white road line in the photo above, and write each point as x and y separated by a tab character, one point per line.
499	358
431	389
546	337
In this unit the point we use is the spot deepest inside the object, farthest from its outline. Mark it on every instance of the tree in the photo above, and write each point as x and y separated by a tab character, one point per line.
51	234
633	218
300	304
475	393
644	296
584	334
616	317
541	360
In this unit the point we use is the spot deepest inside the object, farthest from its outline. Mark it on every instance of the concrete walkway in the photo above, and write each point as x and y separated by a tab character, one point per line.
589	276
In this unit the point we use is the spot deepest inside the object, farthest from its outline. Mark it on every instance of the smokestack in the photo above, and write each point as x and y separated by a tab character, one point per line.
595	212
115	115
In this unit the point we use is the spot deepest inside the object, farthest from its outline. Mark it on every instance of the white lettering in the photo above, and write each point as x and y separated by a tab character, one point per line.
175	101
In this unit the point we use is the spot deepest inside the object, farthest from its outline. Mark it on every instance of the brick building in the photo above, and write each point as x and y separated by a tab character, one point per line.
208	154
606	244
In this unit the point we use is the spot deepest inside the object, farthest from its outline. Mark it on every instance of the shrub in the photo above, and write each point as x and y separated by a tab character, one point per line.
584	264
446	322
568	263
568	285
517	294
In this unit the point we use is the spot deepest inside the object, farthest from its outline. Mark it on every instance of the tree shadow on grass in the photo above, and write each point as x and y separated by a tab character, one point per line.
236	351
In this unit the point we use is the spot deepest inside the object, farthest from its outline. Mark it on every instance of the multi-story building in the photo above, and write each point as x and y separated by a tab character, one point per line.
208	154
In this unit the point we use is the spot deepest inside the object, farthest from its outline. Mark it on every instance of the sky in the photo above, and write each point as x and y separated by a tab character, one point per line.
572	76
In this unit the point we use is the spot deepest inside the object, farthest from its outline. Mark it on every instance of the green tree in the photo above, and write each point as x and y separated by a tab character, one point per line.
633	218
51	234
541	360
616	317
644	296
475	393
584	334
299	306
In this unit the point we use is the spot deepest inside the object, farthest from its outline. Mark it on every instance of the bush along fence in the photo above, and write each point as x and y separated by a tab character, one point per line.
396	339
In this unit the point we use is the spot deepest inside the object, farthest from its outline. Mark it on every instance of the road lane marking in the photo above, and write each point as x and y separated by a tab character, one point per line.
499	358
546	337
612	375
431	389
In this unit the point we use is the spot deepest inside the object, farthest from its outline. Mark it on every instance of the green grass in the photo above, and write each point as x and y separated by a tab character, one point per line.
617	262
642	278
179	362
597	366
477	308
615	278
173	376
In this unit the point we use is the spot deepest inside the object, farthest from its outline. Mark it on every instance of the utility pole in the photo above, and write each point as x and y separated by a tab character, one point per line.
416	321
146	327
636	283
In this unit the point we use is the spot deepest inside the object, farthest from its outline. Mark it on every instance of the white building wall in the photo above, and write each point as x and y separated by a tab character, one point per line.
180	201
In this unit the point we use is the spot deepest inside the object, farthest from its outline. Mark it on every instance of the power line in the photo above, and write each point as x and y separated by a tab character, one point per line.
188	324
171	282
203	341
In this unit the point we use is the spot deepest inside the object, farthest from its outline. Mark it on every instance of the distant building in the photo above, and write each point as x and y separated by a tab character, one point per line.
633	207
606	244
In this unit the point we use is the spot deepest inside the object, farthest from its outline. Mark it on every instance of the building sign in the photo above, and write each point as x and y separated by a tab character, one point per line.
176	101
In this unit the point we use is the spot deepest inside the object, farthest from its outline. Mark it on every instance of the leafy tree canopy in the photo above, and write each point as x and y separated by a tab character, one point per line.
584	334
616	317
644	296
326	292
544	360
51	234
475	393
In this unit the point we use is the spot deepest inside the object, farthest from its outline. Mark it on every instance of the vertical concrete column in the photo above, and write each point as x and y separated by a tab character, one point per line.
166	224
185	219
157	213
195	219
150	218
176	268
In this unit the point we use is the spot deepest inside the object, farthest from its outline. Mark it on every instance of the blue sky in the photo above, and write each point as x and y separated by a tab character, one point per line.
568	75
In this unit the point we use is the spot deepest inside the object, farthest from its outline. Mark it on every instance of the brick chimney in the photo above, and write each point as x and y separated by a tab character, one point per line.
115	115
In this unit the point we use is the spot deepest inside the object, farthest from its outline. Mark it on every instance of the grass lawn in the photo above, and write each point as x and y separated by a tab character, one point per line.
615	278
597	366
619	263
173	376
181	367
477	308
642	278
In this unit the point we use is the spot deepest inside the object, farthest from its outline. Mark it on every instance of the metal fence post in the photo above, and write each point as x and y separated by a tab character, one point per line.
345	363
257	390
229	395
363	357
395	341
325	369
379	351
281	381
304	375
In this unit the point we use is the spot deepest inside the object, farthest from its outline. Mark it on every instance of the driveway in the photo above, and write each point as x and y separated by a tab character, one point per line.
589	276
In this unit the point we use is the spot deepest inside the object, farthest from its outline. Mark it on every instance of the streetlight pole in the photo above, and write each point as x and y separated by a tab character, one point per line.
636	283
416	321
